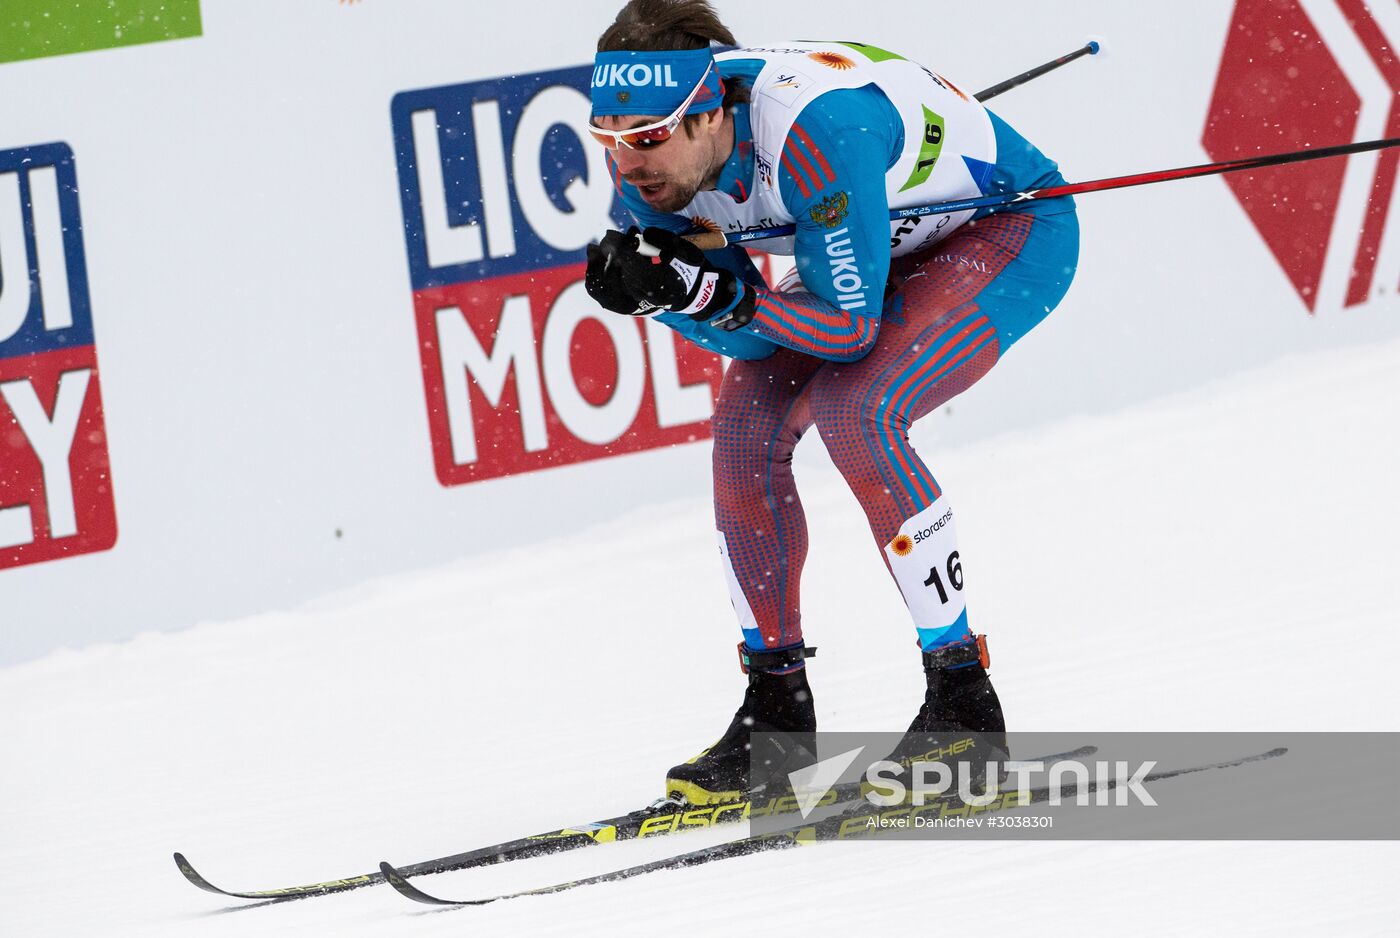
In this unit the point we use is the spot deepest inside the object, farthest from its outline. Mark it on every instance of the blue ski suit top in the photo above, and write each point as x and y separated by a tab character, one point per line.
831	169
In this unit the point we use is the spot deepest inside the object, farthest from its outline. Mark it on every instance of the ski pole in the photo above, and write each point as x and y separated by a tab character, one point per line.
713	240
1089	48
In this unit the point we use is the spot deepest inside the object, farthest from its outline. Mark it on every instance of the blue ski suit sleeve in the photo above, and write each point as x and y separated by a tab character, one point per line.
831	176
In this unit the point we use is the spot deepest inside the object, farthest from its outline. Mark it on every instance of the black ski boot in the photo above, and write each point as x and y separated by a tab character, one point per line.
775	702
961	717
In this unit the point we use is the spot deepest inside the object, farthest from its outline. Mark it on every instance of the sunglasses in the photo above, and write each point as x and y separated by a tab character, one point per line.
652	135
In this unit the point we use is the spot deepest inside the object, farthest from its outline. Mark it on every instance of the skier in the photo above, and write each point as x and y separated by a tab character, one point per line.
880	323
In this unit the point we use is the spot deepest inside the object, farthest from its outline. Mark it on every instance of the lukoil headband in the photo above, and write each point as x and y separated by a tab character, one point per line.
654	82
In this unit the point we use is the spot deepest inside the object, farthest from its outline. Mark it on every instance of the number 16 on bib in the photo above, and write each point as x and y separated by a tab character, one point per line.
924	559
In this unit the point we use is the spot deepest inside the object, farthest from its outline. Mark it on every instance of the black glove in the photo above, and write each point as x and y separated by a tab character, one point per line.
683	281
603	279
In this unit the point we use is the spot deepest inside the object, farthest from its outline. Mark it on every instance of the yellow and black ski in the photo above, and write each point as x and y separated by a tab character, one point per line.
659	819
841	826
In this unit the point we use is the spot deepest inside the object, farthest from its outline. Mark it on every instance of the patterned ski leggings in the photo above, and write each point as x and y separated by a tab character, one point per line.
957	308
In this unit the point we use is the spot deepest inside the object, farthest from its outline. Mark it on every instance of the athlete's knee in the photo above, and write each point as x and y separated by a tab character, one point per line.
729	418
751	449
850	417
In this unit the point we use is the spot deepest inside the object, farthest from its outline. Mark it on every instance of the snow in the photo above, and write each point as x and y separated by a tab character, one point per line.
1219	559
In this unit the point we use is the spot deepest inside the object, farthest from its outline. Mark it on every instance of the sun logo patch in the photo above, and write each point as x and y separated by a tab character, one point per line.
903	545
832	60
831	211
702	223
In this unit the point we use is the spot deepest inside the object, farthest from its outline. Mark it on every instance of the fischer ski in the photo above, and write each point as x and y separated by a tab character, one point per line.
660	819
829	828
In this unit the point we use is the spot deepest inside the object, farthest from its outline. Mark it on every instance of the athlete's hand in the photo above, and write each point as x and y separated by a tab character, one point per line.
682	280
603	279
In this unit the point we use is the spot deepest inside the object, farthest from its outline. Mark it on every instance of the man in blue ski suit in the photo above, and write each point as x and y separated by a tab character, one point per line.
880	323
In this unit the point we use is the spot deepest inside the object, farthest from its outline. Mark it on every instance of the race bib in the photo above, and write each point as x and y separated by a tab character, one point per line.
926	564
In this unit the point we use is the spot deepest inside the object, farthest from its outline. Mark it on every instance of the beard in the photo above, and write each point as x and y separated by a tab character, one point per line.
674	194
677	198
668	195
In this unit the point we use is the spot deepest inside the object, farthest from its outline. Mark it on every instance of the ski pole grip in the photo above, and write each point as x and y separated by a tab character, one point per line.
704	240
708	240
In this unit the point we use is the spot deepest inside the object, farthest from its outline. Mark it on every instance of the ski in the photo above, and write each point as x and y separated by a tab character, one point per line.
659	819
758	843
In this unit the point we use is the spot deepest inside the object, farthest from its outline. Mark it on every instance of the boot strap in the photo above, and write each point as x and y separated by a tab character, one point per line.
772	660
973	651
